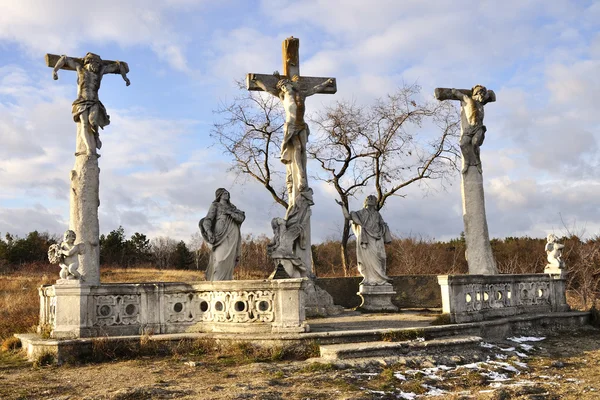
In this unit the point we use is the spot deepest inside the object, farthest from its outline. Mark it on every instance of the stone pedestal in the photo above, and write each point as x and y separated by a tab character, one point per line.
72	309
559	276
479	251
376	298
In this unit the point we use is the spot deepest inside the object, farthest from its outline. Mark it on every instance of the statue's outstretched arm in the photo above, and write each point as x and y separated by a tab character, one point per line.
264	87
62	61
319	87
117	68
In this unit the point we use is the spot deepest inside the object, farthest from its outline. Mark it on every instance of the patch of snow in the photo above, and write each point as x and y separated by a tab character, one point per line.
507	349
399	376
519	354
366	374
520	364
487	345
526	347
407	396
505	366
501	356
496	376
433	391
522	339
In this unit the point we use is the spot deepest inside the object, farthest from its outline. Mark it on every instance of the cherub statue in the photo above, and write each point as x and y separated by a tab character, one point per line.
66	255
554	252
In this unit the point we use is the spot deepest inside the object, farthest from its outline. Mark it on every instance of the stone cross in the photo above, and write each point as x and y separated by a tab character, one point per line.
90	115
292	89
472	133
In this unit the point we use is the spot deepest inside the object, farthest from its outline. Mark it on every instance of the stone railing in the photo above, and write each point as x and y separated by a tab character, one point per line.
468	298
268	306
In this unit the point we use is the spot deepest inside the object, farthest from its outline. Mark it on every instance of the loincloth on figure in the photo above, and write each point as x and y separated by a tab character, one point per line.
97	115
287	145
474	135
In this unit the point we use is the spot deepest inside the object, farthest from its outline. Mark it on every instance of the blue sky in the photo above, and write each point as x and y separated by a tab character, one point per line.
159	165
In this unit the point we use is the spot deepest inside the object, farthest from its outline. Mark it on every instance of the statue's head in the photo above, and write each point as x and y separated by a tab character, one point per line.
479	93
286	84
221	193
70	236
92	61
551	238
370	202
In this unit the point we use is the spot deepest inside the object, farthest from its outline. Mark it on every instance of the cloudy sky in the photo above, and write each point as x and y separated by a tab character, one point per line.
159	165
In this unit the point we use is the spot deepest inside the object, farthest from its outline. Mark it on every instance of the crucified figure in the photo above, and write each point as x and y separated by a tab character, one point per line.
87	108
295	136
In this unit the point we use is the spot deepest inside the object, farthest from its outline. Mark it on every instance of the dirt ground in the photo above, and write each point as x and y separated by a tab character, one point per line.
563	365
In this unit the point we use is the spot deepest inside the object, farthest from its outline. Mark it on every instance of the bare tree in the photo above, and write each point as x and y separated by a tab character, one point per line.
251	133
382	145
385	145
162	249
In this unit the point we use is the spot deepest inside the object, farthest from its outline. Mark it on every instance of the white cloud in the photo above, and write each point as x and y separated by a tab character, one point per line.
65	26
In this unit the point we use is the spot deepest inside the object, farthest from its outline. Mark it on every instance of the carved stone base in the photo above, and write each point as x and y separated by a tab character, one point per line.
376	298
319	303
554	270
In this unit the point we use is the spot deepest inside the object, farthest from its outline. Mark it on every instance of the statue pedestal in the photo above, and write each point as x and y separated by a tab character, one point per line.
72	309
376	298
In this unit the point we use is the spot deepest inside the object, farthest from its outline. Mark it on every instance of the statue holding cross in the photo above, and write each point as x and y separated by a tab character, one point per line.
293	89
87	108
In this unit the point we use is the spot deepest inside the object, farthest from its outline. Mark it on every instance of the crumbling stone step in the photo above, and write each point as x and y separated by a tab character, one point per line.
385	349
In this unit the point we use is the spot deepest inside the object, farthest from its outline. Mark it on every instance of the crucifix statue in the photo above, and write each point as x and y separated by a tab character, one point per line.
293	89
90	115
472	133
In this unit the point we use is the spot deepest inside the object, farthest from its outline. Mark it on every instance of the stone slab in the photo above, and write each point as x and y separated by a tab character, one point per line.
384	349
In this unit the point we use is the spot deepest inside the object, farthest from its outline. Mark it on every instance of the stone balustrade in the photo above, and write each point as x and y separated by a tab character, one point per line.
469	298
72	310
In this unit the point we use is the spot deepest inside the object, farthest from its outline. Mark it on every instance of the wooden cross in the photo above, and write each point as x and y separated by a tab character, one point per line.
291	68
52	59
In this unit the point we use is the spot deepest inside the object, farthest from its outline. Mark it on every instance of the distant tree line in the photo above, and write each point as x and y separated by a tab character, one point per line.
405	256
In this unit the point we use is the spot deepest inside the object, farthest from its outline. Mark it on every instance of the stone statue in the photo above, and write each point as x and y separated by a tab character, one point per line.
371	234
473	129
66	254
87	108
290	236
472	134
295	129
221	230
90	116
554	252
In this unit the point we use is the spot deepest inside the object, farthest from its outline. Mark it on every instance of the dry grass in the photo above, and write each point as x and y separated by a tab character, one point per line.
124	275
19	300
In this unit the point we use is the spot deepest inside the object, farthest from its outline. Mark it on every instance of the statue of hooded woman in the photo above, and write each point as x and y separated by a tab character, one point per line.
221	230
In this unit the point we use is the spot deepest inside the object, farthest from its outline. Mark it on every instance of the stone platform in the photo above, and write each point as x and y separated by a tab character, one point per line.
364	332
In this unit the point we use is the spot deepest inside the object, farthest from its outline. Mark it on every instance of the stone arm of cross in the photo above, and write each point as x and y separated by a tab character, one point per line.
117	67
261	84
320	87
65	61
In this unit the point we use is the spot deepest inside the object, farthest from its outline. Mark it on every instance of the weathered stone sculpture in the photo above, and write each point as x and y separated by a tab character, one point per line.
553	249
66	255
371	235
289	236
479	251
221	230
293	89
90	116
